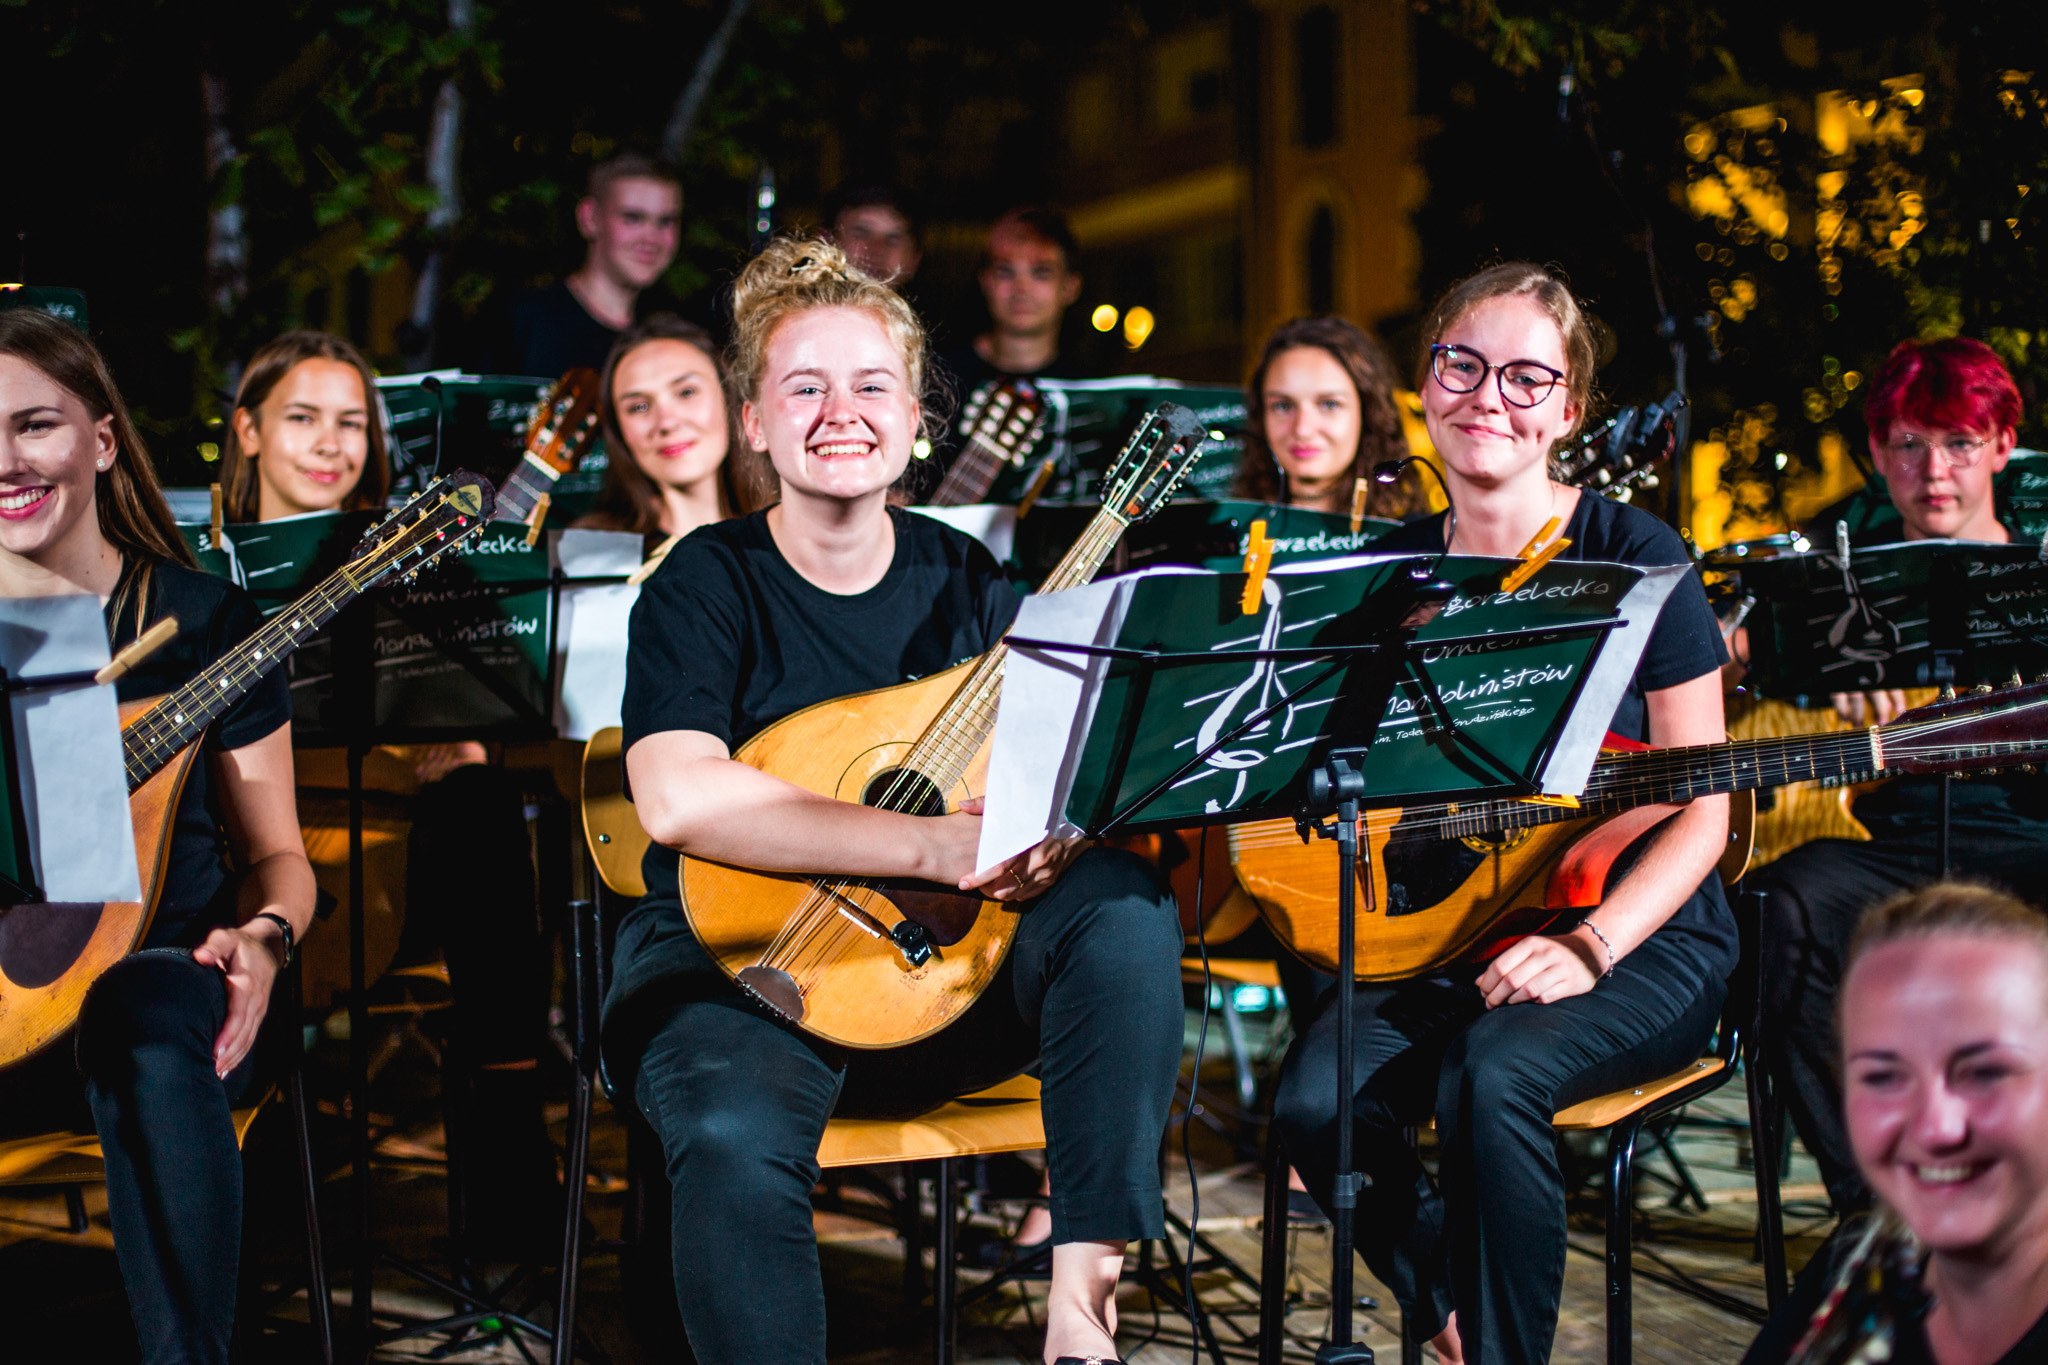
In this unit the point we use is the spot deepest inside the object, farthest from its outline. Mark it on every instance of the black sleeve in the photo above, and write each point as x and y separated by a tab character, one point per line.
267	705
1686	641
684	646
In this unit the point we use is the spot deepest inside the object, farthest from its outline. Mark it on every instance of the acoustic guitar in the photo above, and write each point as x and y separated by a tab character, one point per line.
1440	884
999	425
51	953
869	963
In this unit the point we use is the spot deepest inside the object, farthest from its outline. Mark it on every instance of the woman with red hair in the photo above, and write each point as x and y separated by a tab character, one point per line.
1943	419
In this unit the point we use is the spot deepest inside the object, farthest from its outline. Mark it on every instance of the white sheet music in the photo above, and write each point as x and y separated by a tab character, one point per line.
68	743
590	637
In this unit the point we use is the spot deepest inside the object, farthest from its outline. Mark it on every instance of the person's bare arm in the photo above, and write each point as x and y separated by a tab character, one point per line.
1681	852
259	803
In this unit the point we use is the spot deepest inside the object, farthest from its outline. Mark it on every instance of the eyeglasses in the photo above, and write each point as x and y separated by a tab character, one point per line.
1523	383
1957	452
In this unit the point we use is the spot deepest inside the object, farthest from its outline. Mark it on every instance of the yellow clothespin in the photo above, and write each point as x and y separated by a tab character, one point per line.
1566	802
214	541
1534	556
537	518
1038	483
138	649
1258	557
1361	491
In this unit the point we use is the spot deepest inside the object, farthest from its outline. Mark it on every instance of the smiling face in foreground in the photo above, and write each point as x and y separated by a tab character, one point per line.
1945	1041
310	437
1484	439
51	449
671	412
1312	420
836	411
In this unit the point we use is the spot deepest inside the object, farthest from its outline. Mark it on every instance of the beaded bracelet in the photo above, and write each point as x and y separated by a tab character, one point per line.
1604	944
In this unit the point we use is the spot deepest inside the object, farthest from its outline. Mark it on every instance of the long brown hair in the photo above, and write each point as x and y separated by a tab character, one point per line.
241	489
1380	437
133	516
629	500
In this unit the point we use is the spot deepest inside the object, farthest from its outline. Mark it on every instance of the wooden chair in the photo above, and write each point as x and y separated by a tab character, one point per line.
1003	1118
65	1162
1622	1115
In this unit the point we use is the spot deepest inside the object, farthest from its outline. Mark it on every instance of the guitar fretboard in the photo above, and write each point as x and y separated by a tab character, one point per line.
972	473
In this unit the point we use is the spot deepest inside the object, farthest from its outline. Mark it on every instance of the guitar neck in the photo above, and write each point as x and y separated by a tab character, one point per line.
951	742
972	473
529	482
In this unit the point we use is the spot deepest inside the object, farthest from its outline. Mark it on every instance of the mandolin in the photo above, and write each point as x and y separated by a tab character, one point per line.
50	954
999	425
870	963
1459	882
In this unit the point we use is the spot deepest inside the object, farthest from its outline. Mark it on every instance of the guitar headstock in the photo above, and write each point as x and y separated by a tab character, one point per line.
565	422
1989	728
1623	454
1154	462
445	513
1006	417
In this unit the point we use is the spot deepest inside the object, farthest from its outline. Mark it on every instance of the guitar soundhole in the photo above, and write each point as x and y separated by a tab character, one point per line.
904	790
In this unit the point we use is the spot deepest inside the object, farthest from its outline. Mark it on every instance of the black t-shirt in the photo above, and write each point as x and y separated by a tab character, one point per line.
967	371
2009	804
1789	1323
1684	644
213	615
727	638
548	332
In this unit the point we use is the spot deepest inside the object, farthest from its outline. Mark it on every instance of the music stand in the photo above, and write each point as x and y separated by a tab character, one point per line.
1924	613
364	708
1395	660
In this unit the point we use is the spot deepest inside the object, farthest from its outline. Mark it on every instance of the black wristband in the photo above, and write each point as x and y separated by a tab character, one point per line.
284	926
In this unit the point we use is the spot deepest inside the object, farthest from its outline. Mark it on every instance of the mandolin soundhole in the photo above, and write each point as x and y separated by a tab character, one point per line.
904	790
39	943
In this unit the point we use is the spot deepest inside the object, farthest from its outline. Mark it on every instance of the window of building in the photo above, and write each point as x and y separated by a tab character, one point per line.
1316	53
1319	261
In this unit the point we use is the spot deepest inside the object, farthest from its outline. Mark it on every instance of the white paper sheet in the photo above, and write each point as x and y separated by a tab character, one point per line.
990	523
68	742
590	638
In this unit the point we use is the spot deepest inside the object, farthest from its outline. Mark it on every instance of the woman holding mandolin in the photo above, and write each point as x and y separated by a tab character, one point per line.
164	1040
1632	992
829	591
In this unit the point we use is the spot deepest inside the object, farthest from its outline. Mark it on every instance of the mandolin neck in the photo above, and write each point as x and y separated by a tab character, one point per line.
951	742
530	480
158	735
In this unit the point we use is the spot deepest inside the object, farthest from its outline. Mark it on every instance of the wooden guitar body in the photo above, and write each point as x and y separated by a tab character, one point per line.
838	967
51	954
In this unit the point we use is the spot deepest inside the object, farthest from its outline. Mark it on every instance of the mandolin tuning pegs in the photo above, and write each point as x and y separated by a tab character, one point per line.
1981	690
1947	692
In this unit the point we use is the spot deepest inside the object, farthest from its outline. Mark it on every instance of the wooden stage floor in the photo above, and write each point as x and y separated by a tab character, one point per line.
71	1281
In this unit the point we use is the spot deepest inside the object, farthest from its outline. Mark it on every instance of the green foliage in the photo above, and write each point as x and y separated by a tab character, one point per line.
1819	187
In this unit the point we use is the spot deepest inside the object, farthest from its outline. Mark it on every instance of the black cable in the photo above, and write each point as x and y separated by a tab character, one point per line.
1187	1123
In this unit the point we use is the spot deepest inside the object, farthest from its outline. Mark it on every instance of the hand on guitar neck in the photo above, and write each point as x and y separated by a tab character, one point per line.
1871	708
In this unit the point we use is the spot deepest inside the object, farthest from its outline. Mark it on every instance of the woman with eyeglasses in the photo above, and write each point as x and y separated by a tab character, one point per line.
1943	419
1492	1051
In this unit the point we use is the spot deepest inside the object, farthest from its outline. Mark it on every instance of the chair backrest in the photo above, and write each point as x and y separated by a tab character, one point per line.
610	824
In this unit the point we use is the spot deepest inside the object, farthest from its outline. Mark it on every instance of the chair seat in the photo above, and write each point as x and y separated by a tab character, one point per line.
1002	1118
75	1158
1604	1111
1242	971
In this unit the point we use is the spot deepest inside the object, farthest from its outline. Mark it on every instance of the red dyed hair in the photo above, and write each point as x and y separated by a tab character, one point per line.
1954	385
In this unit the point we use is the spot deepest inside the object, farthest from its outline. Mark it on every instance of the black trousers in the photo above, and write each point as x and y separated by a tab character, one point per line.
1487	1240
174	1175
1091	990
1817	893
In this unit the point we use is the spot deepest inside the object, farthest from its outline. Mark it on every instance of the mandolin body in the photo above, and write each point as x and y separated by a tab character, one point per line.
841	980
51	954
